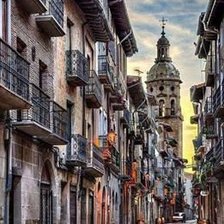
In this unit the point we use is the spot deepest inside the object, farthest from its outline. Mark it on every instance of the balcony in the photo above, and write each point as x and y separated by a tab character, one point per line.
96	19
144	119
52	21
197	92
106	73
45	120
218	100
210	70
210	155
119	88
126	118
209	131
219	156
14	79
59	125
34	6
77	73
95	165
77	151
93	91
115	160
208	109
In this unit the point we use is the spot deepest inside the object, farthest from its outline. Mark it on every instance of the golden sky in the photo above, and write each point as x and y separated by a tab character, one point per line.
180	30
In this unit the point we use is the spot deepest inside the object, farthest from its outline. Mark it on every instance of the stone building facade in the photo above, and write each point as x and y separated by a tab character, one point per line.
207	99
63	82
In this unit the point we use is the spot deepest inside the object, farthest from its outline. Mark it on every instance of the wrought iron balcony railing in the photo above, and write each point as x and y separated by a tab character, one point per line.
208	105
116	158
40	111
52	21
59	120
77	151
95	164
126	118
93	91
56	9
210	70
219	156
45	120
77	70
105	72
210	155
14	75
218	101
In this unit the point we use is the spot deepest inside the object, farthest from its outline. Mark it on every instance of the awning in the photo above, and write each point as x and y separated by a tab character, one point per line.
123	26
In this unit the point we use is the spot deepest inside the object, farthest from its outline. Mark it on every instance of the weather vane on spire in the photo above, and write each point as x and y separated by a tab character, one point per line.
163	25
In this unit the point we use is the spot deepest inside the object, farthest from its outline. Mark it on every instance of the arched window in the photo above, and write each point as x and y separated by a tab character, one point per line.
173	109
161	108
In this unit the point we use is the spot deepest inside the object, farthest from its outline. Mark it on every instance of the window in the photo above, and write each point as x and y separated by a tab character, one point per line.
161	88
161	108
173	109
73	205
42	74
69	119
172	88
69	34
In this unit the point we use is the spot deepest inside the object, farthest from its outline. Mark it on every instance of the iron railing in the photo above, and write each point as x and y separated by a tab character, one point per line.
96	158
115	158
210	65
94	86
119	83
210	155
103	141
111	46
77	149
218	97
40	110
59	117
219	153
127	115
14	73
208	105
104	67
77	65
56	9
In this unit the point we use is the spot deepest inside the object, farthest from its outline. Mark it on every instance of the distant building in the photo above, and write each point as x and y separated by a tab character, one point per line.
163	83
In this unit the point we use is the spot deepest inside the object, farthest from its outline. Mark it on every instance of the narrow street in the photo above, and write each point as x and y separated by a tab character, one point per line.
111	111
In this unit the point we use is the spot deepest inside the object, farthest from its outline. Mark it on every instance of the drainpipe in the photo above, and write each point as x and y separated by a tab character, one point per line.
8	152
83	89
8	133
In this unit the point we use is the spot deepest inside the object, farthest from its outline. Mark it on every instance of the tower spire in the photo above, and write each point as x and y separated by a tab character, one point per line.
163	25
